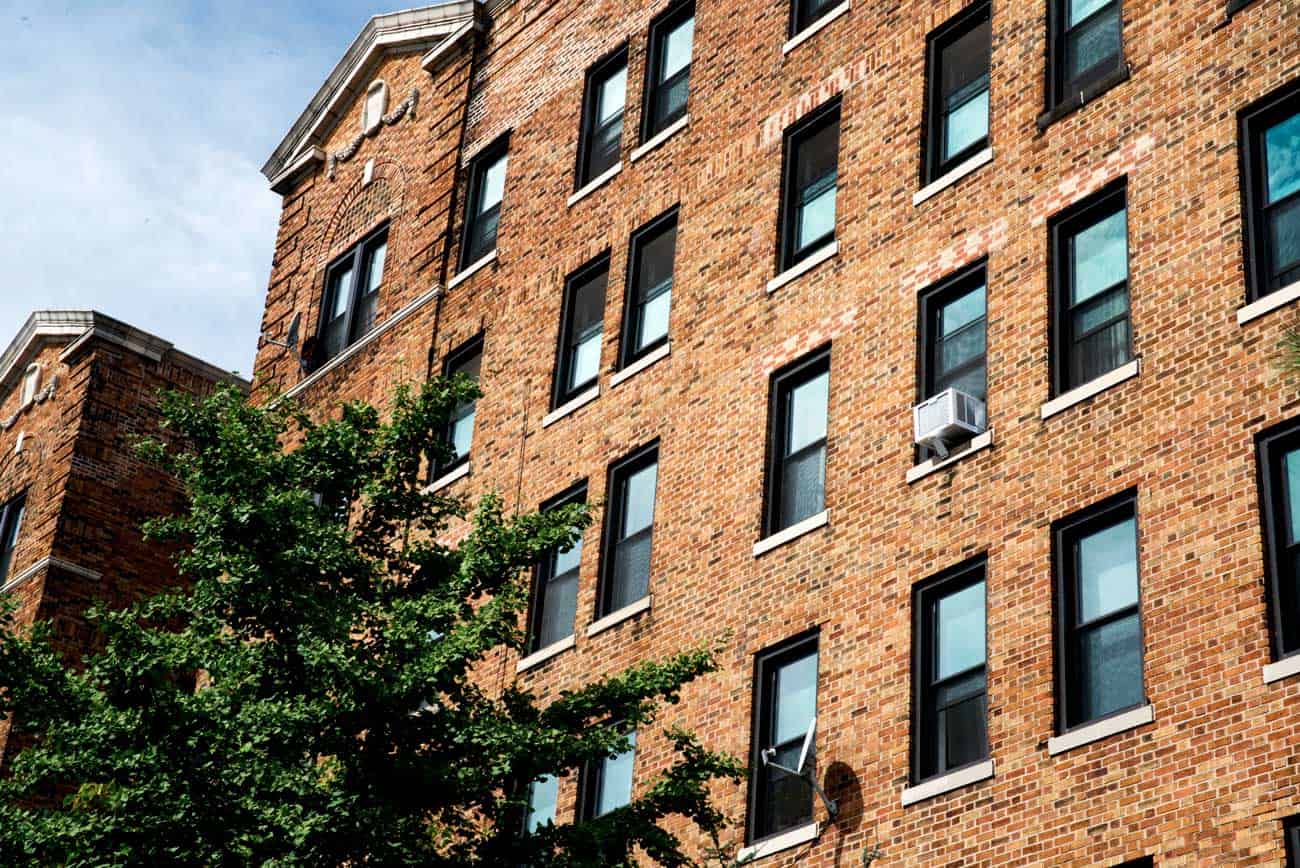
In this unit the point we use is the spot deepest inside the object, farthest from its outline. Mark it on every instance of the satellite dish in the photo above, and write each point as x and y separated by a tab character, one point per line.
290	342
805	771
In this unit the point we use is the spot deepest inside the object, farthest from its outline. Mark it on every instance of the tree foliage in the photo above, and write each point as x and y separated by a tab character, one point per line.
323	691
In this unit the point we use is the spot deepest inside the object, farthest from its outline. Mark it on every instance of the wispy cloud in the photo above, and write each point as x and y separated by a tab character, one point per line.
131	141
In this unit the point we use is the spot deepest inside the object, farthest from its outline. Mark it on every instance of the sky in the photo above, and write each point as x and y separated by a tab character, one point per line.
131	139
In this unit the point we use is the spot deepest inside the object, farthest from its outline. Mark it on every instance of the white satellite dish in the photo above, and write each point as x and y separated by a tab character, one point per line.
805	771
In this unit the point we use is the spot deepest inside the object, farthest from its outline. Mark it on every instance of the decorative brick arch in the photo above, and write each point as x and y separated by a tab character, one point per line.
363	208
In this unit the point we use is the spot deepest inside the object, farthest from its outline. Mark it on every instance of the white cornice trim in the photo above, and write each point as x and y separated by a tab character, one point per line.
46	563
419	29
442	53
368	339
308	159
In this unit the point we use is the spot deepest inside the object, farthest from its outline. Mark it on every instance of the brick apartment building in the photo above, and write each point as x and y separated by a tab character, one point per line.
706	257
77	389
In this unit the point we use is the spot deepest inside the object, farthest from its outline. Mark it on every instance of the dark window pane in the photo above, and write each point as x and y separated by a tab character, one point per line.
816	160
964	74
653	287
1100	352
808	11
960	344
803	485
672	47
788	703
1284	240
1291	493
559	608
1092	42
11	525
583	330
962	735
604	123
1096	333
1110	668
632	515
788	801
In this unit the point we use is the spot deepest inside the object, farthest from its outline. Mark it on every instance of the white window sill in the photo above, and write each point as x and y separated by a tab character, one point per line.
925	468
803	267
952	176
1087	390
448	478
640	364
565	409
1268	303
794	531
1104	728
1284	668
469	270
537	658
596	183
617	617
947	783
775	844
660	137
812	29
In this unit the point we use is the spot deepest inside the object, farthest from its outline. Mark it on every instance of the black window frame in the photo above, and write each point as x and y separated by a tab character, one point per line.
451	363
560	393
930	302
1271	446
1235	6
664	24
616	481
782	382
1291	839
804	14
597	74
12	515
1066	533
478	169
1137	862
1253	121
357	257
933	165
766	662
925	712
590	778
788	254
1061	228
1064	96
628	354
543	572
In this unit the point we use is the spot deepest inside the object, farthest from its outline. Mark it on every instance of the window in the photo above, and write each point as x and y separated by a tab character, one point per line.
804	13
785	704
543	794
1085	47
949	680
11	524
602	118
952	329
607	784
796	474
460	427
957	111
629	529
808	195
649	287
1090	269
487	185
1235	6
581	326
555	586
1139	862
1279	476
1270	155
1291	828
1099	642
351	295
668	69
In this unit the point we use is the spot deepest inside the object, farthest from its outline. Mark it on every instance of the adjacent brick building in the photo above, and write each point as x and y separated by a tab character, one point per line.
77	390
705	258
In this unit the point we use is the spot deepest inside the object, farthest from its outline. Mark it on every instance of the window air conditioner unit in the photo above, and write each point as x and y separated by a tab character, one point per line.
949	417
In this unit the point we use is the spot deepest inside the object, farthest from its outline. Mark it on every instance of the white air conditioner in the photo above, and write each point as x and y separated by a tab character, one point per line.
949	417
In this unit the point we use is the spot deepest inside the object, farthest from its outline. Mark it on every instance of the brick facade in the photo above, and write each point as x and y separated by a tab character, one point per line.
71	451
1210	780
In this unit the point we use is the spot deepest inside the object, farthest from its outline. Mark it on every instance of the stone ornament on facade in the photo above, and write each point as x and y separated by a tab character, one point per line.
32	393
405	108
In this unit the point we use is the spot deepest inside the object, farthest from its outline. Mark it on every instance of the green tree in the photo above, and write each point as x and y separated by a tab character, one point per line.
337	718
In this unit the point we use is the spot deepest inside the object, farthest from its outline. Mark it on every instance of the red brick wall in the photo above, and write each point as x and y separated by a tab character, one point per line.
1208	782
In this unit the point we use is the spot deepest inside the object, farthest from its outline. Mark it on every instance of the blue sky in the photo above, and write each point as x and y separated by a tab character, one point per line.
130	142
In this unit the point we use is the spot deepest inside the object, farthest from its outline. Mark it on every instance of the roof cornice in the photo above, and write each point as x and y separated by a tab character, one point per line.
422	29
77	328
